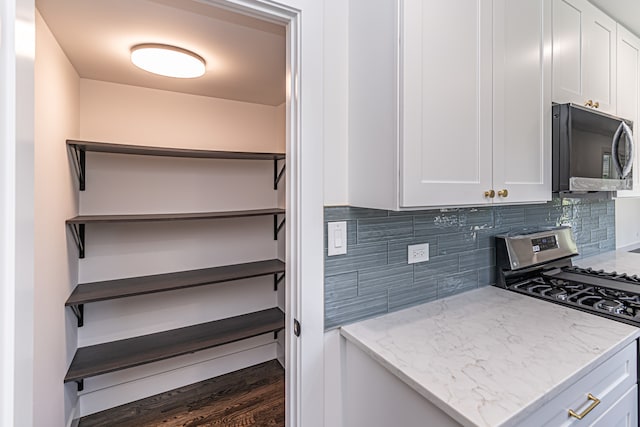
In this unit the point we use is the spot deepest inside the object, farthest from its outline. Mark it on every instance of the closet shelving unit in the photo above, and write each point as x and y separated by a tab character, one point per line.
116	355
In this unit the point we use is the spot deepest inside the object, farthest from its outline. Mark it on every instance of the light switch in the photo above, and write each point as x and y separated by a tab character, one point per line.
337	238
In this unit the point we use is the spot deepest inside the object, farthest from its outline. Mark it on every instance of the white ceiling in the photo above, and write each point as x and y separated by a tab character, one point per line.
245	56
626	12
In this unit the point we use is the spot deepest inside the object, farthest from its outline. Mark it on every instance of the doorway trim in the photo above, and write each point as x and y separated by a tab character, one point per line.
304	355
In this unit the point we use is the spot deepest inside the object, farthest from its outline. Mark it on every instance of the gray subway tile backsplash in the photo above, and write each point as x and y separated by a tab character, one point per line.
374	278
387	228
452	284
356	258
417	294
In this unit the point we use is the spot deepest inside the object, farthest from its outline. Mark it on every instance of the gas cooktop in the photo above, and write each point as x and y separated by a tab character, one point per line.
539	264
612	295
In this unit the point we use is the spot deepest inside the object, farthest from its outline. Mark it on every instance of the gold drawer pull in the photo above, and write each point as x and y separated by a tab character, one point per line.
589	103
595	402
596	104
491	194
503	193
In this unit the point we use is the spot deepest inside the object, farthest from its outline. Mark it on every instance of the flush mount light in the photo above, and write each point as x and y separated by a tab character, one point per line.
167	60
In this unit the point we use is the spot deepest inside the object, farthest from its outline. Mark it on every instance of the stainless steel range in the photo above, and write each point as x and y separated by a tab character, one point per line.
539	264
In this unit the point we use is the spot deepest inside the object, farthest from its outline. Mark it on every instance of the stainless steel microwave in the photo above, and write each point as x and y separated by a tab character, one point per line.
592	151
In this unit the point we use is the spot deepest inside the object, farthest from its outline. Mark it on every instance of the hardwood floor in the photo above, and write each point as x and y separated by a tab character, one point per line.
250	397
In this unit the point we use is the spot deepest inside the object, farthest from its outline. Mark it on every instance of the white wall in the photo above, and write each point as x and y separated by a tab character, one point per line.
336	129
336	119
118	113
57	99
627	222
144	184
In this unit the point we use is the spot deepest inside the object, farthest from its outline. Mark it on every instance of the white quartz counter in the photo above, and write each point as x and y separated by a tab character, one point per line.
621	261
489	357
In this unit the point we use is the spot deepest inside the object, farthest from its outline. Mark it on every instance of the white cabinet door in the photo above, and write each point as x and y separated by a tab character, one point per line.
584	55
568	82
624	413
445	103
600	59
628	96
522	101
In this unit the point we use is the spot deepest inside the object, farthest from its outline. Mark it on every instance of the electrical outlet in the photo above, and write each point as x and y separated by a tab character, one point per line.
418	253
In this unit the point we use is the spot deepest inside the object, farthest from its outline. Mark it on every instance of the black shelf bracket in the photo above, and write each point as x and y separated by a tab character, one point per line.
277	175
79	162
80	384
275	334
77	230
78	310
277	280
277	226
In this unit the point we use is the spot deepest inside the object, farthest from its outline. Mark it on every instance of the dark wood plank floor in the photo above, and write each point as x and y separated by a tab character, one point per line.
250	397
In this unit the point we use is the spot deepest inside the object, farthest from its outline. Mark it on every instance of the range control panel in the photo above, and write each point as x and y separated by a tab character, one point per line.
544	243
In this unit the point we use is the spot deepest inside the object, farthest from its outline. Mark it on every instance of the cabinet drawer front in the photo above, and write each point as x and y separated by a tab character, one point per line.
608	382
624	412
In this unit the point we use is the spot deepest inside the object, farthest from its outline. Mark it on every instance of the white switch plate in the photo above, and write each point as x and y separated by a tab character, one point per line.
337	238
418	253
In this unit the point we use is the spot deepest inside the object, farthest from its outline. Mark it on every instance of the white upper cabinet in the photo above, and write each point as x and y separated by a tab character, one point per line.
446	102
522	100
628	96
449	102
584	55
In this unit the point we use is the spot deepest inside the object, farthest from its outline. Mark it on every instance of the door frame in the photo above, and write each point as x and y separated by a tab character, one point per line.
17	54
304	355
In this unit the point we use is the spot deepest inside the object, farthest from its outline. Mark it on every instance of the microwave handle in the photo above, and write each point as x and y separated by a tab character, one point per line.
622	129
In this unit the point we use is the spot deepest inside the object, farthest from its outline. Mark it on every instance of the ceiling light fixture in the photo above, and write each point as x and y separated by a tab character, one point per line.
167	60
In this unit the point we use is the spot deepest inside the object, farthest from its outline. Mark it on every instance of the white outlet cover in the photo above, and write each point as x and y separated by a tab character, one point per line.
417	253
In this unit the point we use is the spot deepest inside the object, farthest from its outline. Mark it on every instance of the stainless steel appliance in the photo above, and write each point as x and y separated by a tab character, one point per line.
539	264
592	151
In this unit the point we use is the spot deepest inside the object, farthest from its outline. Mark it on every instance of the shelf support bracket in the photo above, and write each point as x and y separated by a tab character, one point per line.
77	230
277	227
78	310
277	175
79	162
80	384
277	280
275	334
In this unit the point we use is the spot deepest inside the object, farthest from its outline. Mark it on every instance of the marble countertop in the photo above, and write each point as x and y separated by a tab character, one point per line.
620	260
489	357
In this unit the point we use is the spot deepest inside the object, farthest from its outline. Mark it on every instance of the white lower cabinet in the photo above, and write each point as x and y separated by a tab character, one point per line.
375	397
449	102
623	413
608	383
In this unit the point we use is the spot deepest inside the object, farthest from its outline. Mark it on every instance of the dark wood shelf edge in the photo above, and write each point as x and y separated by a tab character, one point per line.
121	288
118	355
106	147
85	219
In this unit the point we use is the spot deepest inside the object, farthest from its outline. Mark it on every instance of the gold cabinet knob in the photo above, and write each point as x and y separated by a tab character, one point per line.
589	103
503	193
596	104
490	194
